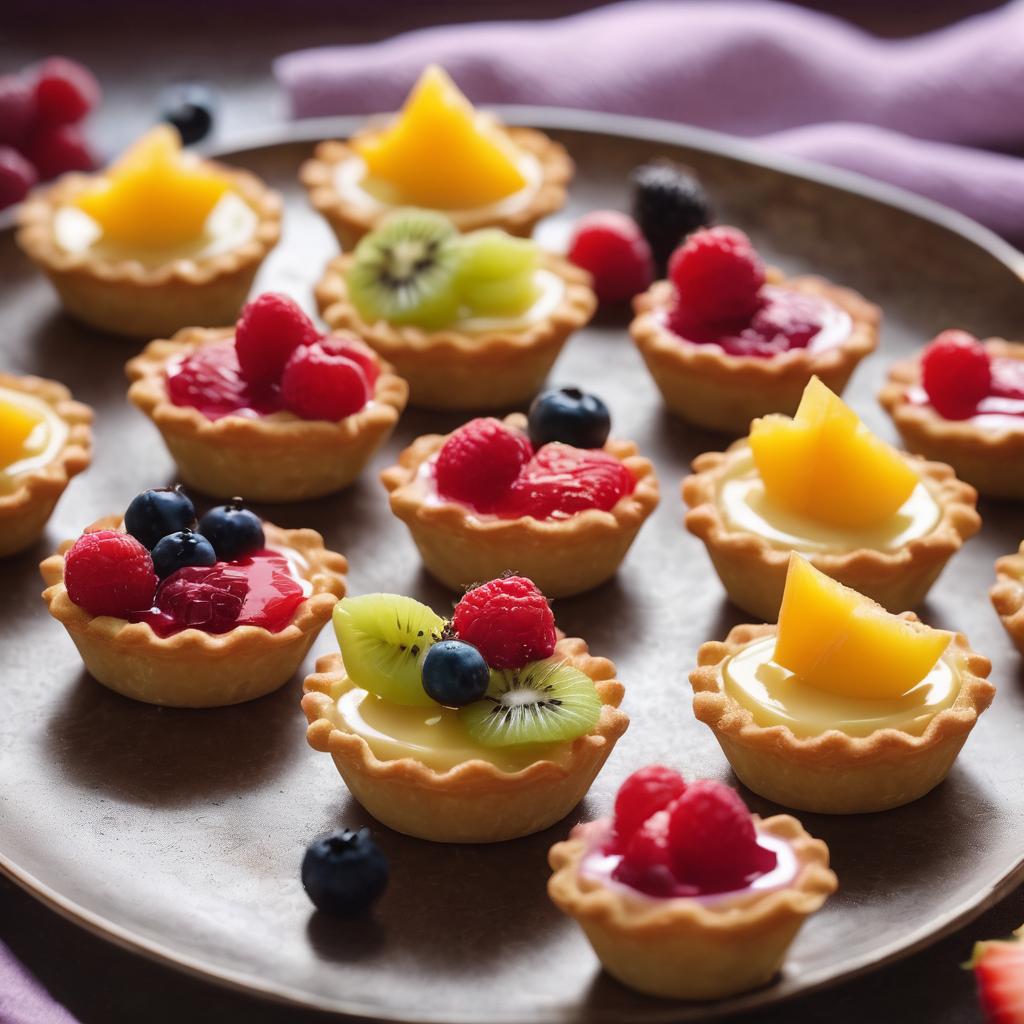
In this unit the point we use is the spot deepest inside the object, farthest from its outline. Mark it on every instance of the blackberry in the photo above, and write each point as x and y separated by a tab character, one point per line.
668	204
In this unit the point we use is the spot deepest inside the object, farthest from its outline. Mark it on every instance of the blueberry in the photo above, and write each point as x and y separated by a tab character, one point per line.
189	107
177	550
570	416
233	531
157	512
668	203
455	673
344	873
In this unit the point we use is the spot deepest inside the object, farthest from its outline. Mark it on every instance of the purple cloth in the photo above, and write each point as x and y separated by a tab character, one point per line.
918	112
22	999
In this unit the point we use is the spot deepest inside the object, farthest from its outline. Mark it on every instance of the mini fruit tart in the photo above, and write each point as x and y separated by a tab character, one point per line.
271	409
167	611
963	401
477	730
1008	595
550	496
471	321
878	520
160	240
441	154
685	894
45	440
727	341
843	707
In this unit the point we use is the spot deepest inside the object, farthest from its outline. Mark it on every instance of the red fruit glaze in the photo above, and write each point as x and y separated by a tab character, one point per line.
508	621
479	462
65	91
17	176
58	149
322	385
956	373
343	344
613	249
17	110
269	330
999	973
109	573
646	791
210	381
646	862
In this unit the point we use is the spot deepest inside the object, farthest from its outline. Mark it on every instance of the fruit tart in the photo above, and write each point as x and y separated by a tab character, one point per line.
726	340
842	707
438	153
484	728
1008	595
169	611
684	893
471	321
962	401
549	495
880	521
272	408
160	240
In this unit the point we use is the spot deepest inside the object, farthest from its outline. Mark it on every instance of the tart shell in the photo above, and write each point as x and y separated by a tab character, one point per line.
474	802
1008	595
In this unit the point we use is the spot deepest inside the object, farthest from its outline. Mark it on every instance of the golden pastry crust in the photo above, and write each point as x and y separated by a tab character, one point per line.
193	669
452	369
351	217
648	944
753	571
474	802
126	297
26	509
990	460
1008	595
280	457
834	773
710	388
562	556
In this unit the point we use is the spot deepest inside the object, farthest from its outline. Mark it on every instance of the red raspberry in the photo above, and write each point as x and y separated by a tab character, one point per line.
956	373
17	176
320	385
478	463
613	249
65	91
646	791
560	481
58	149
17	110
269	330
201	597
508	621
109	573
352	347
647	859
718	277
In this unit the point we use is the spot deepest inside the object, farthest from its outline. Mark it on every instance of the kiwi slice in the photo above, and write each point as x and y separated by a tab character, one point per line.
383	638
496	276
545	701
404	271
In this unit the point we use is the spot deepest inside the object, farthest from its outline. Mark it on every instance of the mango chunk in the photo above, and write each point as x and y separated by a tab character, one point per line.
837	640
826	465
440	152
17	425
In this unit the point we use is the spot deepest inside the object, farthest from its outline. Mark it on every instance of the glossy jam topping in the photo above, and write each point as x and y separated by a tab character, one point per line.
1003	407
31	434
210	381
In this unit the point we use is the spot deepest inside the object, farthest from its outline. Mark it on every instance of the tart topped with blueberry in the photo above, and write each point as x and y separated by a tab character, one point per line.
962	401
273	408
168	610
159	240
727	340
438	153
549	495
477	729
683	893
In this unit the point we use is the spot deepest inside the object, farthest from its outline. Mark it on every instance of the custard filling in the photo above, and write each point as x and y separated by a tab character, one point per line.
42	444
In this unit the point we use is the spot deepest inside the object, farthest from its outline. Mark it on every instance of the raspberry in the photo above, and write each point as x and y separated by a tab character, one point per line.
269	330
17	110
65	91
17	176
508	621
109	573
718	276
612	248
646	791
195	597
479	462
354	348
560	481
956	373
57	149
647	859
320	385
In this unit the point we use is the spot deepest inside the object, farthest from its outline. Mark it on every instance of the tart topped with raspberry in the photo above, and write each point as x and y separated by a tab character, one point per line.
683	874
274	408
481	728
962	401
159	240
548	495
439	153
728	340
168	610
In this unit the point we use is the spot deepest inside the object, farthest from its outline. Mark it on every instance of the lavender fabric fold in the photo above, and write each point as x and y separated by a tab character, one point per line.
22	999
924	113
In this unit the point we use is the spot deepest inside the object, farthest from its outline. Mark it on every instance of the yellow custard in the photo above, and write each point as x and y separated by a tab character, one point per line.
31	434
775	696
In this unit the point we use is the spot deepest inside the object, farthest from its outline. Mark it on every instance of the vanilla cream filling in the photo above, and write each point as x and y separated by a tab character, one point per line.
747	507
41	446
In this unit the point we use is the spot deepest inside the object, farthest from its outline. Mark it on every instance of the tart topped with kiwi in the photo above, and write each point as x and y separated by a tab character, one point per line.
480	728
471	321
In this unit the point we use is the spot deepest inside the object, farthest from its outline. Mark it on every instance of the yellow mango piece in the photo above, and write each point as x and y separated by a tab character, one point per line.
837	640
17	425
154	196
440	152
826	465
